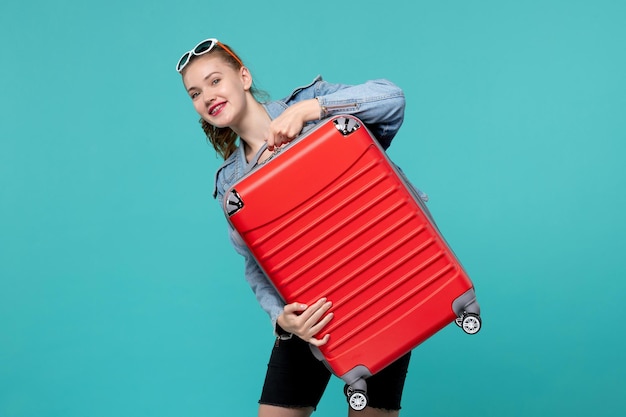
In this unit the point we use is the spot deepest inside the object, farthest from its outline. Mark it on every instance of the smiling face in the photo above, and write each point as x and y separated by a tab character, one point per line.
218	91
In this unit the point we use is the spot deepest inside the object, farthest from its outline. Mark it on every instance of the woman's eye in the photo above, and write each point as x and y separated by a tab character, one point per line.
215	81
194	95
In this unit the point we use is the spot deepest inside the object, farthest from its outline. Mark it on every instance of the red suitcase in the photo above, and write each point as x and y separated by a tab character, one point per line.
331	216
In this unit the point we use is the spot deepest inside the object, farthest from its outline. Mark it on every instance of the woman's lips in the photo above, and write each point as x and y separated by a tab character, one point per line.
216	109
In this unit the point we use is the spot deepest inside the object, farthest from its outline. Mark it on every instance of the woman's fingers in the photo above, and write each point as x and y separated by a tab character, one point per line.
318	328
310	320
319	342
295	307
317	321
316	311
275	139
289	124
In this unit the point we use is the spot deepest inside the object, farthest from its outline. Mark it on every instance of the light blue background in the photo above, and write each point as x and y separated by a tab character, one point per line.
119	293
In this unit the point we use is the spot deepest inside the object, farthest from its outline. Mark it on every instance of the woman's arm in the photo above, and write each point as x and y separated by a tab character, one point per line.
264	291
302	320
378	103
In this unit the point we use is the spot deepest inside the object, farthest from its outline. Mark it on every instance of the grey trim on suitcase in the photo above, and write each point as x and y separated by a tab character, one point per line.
466	303
355	377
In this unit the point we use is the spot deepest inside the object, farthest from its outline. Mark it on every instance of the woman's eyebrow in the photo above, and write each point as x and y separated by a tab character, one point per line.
204	79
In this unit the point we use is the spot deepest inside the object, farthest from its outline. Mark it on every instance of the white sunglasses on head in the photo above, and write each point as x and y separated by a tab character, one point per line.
202	48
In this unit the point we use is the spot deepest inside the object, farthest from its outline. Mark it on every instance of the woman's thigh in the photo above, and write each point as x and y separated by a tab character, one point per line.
294	378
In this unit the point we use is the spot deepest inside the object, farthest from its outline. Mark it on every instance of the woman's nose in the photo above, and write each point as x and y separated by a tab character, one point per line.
209	98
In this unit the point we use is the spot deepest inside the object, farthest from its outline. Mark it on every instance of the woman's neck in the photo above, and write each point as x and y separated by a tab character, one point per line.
253	127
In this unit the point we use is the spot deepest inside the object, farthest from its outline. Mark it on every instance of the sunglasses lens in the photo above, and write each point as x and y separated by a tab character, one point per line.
203	47
183	61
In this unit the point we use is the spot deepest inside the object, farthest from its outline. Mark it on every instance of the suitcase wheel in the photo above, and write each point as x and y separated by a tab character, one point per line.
356	398
469	322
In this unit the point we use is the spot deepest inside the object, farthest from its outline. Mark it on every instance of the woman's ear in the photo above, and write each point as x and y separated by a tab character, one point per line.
246	78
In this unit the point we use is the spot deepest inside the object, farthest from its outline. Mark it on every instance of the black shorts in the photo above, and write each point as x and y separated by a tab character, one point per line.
295	378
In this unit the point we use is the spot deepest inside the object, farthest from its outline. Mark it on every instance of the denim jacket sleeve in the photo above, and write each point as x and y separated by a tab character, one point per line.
264	291
378	103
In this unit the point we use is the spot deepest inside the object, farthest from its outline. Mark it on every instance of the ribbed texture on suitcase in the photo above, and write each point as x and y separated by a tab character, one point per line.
338	222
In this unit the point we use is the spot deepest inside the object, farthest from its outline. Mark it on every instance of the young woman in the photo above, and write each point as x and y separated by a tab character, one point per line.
244	130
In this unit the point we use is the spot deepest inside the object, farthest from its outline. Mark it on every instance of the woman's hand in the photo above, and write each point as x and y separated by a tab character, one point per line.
304	321
289	124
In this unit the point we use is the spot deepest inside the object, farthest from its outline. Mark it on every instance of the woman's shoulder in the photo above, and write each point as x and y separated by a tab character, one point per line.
227	172
307	90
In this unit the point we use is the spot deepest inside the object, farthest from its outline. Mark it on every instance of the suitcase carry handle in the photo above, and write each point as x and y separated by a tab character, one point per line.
345	125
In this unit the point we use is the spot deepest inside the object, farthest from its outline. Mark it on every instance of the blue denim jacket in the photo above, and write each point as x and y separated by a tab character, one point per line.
379	104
